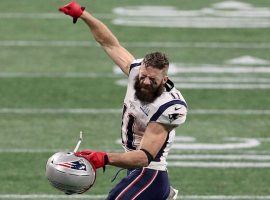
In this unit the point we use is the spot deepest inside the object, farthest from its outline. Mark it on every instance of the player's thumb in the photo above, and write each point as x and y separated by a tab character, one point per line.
63	10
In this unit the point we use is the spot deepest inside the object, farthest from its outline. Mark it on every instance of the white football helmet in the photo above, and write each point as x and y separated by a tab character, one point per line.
69	173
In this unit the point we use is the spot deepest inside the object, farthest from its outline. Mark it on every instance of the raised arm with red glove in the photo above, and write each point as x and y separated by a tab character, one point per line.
155	135
72	9
102	35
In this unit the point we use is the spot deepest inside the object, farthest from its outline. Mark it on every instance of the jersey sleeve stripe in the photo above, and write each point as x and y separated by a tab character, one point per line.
164	107
169	85
134	65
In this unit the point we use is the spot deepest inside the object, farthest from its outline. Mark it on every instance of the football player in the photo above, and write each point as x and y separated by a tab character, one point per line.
152	109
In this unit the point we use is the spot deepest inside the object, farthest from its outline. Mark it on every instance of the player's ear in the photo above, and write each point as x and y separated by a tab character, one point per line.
165	79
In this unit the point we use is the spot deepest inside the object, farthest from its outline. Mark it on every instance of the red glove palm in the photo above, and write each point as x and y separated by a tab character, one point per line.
98	159
72	9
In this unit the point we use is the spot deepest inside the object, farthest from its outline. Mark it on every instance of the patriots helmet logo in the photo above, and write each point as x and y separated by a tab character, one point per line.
174	116
77	165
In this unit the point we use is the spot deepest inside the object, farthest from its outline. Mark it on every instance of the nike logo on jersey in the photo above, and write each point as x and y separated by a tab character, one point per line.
177	108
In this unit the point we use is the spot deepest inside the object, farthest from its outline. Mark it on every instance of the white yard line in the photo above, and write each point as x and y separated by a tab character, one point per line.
240	155
15	150
139	44
221	79
220	164
214	45
50	196
228	112
263	139
224	86
193	22
233	143
183	83
58	75
224	197
156	21
217	157
59	111
23	43
46	16
218	68
103	196
245	83
114	110
211	17
123	82
36	150
228	69
254	152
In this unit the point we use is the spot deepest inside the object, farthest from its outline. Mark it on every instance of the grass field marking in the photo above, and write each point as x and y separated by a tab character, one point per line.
229	144
237	143
221	79
103	196
185	82
17	15
194	22
58	75
209	85
264	139
218	157
173	151
50	196
38	151
247	59
214	45
117	111
221	9
60	111
214	16
217	68
225	197
227	86
24	43
219	164
139	44
253	152
16	150
228	112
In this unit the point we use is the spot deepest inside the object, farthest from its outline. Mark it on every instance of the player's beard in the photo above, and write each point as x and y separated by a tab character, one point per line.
147	94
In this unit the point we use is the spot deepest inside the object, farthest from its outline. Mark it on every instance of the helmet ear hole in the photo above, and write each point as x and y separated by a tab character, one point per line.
69	173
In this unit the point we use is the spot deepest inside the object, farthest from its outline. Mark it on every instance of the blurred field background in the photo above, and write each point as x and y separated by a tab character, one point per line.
56	81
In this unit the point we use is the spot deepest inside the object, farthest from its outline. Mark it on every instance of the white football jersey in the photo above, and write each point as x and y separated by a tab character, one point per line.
170	108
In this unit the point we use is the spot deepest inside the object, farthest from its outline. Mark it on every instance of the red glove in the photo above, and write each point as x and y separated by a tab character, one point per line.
72	9
97	158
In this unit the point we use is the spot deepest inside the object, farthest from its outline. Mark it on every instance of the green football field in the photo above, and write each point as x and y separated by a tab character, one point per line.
56	81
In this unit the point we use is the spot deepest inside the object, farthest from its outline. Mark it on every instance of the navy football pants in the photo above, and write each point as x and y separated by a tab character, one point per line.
142	184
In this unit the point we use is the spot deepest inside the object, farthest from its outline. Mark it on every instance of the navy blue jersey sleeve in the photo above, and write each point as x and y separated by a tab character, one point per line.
135	64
